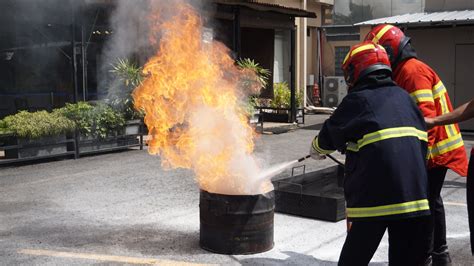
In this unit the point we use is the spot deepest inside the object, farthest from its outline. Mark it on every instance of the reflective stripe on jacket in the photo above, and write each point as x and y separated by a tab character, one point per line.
446	147
384	137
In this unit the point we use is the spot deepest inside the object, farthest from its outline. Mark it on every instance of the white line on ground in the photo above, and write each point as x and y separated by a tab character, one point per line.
460	235
455	204
102	257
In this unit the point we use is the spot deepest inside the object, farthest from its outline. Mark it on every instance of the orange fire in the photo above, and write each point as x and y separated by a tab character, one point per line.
193	105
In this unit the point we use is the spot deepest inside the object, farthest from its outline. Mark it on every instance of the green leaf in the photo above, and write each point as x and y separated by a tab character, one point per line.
36	124
262	75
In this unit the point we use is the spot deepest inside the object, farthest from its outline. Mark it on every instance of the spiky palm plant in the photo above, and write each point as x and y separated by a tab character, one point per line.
262	74
128	76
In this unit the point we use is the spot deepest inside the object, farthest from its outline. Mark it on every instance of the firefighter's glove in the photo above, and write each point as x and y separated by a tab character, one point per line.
314	154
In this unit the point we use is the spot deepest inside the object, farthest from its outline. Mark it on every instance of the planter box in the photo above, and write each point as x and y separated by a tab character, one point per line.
91	144
275	117
128	140
45	146
132	127
317	194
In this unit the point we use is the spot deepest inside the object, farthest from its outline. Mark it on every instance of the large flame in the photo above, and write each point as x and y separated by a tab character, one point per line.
192	101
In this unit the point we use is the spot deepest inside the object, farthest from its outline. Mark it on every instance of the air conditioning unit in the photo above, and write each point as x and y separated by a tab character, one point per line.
335	89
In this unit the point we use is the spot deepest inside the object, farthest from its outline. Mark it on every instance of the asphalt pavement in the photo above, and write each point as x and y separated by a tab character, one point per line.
123	208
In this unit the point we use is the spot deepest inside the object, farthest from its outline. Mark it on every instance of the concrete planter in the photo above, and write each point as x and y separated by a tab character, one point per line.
45	146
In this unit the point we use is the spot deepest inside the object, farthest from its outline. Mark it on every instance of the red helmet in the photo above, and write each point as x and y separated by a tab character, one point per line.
363	59
391	38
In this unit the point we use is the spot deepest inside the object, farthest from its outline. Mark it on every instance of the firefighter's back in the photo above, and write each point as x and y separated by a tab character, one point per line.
385	163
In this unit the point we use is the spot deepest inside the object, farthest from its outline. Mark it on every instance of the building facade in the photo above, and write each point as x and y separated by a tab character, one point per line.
54	51
307	44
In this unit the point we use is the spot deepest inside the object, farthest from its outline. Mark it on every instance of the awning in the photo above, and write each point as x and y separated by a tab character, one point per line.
426	19
252	4
256	5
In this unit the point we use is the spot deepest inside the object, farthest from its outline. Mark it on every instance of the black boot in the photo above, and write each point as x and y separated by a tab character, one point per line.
441	259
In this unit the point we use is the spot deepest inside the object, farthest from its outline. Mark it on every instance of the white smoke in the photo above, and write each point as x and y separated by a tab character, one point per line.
245	168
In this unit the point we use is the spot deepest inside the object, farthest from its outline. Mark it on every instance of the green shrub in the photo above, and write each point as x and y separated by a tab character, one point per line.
282	96
3	128
99	120
106	121
36	125
79	114
299	98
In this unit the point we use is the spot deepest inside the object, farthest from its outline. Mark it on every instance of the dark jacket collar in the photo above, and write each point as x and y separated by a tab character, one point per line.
374	81
407	52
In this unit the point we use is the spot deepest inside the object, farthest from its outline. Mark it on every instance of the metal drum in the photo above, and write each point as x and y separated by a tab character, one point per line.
236	224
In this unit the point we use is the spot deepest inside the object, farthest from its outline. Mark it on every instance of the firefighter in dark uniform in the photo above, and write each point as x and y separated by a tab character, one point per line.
383	135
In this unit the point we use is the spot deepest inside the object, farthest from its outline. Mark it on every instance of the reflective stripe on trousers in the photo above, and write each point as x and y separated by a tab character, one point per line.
385	210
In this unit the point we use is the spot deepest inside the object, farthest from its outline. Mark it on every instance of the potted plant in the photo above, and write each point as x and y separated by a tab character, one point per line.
98	125
281	102
39	134
253	80
127	76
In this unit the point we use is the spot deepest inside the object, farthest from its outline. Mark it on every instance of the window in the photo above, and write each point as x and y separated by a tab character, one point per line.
282	57
340	53
326	18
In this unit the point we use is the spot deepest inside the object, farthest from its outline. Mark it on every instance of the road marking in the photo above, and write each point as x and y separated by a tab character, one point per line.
102	257
455	204
460	235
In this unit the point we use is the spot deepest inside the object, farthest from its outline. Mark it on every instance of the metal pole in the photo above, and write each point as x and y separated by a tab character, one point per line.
293	75
51	95
391	7
236	32
84	65
320	60
304	39
74	72
73	50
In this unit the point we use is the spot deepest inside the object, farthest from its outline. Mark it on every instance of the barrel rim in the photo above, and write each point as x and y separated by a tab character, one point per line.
269	194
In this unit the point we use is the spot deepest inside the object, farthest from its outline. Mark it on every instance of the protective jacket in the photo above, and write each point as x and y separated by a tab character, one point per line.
446	147
383	134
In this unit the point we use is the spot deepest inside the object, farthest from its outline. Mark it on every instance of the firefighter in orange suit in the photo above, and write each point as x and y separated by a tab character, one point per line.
445	145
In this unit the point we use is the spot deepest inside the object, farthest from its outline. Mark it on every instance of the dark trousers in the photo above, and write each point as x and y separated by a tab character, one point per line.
470	200
439	247
407	238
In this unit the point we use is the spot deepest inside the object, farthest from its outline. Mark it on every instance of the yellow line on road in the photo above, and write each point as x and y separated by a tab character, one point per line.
102	257
455	203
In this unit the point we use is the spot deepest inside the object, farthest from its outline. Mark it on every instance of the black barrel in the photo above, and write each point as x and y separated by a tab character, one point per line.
236	224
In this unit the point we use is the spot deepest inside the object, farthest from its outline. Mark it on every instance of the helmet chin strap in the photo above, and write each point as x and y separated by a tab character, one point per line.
398	58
